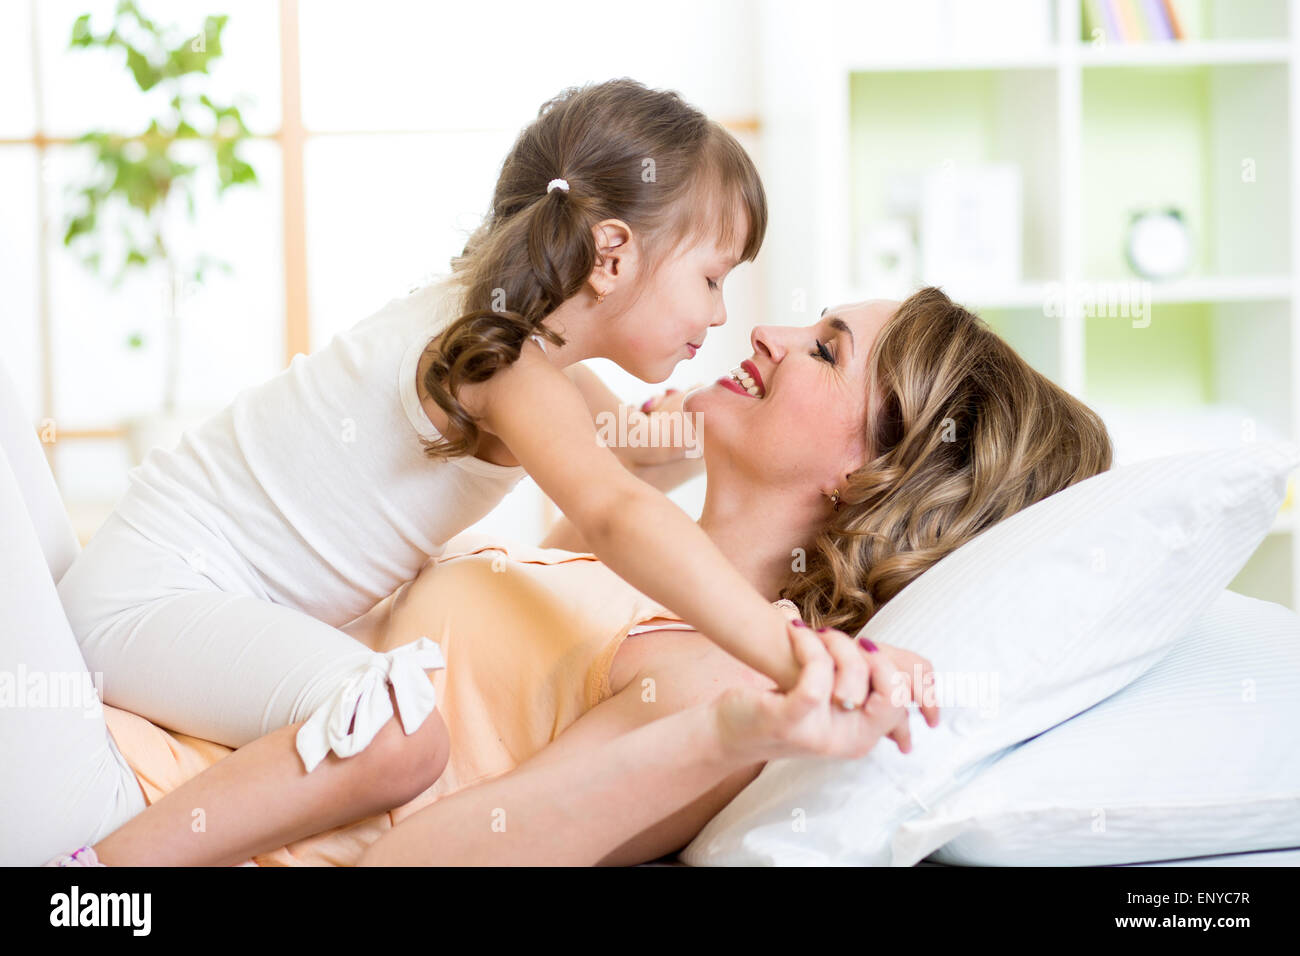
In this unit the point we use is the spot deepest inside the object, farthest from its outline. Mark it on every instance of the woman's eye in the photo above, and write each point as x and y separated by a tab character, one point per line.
823	353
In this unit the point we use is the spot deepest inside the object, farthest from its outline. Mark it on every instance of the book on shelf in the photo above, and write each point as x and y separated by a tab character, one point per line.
1132	21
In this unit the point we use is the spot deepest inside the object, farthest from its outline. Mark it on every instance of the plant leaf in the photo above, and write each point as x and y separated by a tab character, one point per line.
146	75
81	33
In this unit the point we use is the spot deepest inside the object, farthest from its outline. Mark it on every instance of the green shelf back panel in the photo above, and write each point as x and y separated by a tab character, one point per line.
1145	144
917	121
1167	363
903	122
1035	337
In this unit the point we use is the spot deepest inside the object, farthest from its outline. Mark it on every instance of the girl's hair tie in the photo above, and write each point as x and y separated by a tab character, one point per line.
558	184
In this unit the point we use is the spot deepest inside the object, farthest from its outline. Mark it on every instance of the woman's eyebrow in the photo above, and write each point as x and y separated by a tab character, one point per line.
837	323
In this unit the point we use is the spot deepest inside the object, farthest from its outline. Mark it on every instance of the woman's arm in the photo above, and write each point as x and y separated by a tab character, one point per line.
574	812
639	775
621	785
633	528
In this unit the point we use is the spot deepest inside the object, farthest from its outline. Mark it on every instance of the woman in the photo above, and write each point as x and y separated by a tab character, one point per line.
816	493
880	439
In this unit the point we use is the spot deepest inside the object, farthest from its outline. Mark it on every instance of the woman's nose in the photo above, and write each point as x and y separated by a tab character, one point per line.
767	340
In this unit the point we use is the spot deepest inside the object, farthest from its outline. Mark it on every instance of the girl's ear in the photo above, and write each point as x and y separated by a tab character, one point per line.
616	255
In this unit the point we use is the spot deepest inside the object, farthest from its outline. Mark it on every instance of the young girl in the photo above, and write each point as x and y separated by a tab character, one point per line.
212	597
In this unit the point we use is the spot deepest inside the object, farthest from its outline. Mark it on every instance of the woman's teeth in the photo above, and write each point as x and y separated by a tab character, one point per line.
747	383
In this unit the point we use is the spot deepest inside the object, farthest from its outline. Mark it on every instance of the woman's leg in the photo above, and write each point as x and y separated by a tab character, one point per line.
325	727
65	782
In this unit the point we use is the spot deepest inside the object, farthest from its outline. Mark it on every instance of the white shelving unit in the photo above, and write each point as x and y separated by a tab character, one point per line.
879	82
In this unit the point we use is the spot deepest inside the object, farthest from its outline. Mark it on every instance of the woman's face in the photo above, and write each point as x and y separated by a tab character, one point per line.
802	418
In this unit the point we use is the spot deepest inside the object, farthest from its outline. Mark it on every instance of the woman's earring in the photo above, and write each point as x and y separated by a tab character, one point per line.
600	297
835	499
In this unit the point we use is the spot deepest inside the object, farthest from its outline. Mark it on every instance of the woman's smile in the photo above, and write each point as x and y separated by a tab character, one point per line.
745	380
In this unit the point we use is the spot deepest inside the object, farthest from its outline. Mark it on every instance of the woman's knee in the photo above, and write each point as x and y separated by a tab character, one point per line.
401	766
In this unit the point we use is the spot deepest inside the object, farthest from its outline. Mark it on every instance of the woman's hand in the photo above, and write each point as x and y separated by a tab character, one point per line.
809	719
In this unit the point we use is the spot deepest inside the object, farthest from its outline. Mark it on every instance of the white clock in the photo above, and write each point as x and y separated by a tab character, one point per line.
1159	244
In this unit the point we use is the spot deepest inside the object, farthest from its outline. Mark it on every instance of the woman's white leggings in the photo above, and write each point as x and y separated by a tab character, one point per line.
163	640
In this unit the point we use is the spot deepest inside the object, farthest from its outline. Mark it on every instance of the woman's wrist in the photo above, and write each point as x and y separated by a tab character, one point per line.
741	738
726	741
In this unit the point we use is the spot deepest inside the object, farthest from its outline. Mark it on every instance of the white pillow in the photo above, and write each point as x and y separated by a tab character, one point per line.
1197	757
1033	621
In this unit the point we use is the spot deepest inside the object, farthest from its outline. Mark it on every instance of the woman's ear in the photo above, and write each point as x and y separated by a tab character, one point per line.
616	256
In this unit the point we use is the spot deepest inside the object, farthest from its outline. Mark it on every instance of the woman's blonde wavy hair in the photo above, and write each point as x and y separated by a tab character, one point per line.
627	152
963	433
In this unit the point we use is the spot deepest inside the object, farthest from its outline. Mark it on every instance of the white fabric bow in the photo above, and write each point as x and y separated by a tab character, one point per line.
365	697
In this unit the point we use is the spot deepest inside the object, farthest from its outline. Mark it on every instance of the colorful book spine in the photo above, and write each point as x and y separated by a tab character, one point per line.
1129	22
1112	25
1175	22
1157	26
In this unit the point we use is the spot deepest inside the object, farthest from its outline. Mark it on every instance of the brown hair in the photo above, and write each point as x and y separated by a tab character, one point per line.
963	433
627	152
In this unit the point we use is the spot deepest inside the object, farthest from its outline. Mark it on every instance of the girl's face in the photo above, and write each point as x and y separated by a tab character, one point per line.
802	418
672	312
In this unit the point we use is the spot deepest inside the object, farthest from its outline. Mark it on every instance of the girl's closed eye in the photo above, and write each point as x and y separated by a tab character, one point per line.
712	285
823	353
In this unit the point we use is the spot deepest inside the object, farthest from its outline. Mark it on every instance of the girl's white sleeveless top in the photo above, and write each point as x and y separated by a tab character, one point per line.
312	490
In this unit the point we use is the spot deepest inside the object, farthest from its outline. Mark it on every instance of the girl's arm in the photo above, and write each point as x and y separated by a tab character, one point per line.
563	534
633	528
601	400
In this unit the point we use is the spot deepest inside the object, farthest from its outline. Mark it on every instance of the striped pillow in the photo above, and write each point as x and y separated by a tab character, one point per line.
1032	622
1198	756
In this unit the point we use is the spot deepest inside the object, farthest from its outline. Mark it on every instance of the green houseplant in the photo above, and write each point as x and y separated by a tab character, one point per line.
121	212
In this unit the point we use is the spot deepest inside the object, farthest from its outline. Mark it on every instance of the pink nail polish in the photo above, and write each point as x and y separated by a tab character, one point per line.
798	623
866	645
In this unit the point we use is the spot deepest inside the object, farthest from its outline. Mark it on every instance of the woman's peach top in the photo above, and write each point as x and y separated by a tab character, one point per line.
528	634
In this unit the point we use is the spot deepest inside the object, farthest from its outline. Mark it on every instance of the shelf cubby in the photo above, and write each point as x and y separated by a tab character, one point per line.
1188	137
906	123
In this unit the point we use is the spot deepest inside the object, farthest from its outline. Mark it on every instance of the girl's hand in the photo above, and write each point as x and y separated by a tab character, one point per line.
667	404
661	402
917	673
762	725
